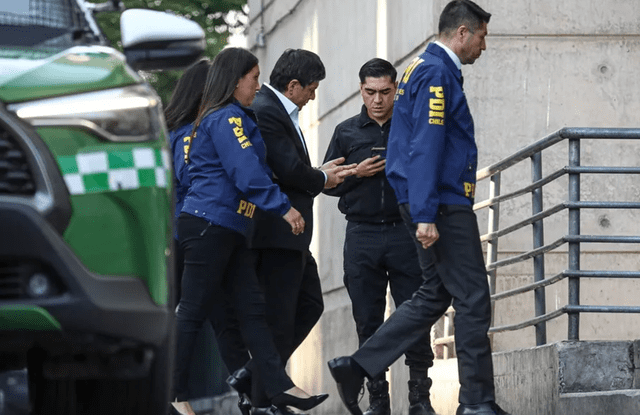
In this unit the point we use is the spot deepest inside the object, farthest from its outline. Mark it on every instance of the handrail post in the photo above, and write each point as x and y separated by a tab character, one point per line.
538	241
574	247
492	244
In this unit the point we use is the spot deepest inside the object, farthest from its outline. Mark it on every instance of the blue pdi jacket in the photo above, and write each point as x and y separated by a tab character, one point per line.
432	155
228	172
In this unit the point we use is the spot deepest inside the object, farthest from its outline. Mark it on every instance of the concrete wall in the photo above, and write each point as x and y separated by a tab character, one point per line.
549	64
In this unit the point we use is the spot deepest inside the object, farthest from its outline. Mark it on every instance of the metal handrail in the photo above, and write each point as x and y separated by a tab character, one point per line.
573	239
553	138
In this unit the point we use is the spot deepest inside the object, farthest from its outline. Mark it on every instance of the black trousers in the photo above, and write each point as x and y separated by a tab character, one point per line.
214	257
229	344
377	255
293	295
222	317
453	270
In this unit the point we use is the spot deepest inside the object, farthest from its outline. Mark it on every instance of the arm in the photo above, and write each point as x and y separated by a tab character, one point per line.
241	163
426	146
283	157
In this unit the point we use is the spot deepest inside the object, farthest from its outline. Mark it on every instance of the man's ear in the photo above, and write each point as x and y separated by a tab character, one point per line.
462	30
290	87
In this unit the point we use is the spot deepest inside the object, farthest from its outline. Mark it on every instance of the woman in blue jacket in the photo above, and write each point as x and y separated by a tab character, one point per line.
229	178
180	113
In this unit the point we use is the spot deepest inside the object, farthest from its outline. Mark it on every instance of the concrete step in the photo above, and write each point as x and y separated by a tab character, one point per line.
620	402
563	376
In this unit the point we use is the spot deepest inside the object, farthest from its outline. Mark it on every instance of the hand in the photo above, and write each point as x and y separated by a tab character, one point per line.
295	219
331	164
427	234
369	167
336	173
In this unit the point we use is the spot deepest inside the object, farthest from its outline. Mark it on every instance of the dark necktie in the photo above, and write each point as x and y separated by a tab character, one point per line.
461	80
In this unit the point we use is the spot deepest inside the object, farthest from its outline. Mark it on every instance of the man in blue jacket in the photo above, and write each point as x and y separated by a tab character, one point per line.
431	164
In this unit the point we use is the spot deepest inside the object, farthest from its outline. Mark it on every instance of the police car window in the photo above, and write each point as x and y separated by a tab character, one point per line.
38	23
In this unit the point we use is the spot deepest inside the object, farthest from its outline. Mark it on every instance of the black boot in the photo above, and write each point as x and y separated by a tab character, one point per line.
240	380
419	402
379	403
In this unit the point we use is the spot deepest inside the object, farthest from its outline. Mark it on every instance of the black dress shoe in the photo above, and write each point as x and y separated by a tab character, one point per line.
273	410
284	399
487	408
349	377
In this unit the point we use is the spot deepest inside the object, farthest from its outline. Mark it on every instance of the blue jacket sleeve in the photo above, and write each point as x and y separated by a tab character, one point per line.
427	145
242	164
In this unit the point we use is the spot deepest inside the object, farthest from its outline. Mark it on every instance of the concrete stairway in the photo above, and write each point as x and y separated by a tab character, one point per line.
570	378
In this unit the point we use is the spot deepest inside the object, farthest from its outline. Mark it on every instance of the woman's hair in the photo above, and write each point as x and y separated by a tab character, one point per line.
185	99
228	67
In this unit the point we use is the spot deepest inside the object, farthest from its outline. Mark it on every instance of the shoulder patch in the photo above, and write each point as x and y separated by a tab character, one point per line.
407	72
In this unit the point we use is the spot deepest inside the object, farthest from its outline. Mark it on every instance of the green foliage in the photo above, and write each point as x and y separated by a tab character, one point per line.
209	14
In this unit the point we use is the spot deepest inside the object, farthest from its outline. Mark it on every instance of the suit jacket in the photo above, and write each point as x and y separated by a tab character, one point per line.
292	171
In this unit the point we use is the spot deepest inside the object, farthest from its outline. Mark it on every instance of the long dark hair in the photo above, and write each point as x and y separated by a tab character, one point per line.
185	100
228	67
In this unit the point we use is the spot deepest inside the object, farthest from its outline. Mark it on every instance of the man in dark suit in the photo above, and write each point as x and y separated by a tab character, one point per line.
286	268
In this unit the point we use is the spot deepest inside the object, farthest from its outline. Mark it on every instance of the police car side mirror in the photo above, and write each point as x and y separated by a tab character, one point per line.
155	40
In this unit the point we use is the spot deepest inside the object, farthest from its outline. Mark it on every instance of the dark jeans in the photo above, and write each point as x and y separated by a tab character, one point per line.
224	323
377	255
207	374
453	270
293	294
216	257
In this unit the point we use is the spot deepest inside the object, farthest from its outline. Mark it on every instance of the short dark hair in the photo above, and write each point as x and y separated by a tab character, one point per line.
227	68
185	100
462	12
377	68
300	64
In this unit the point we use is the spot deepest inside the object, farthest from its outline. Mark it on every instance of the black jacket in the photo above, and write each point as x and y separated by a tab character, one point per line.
367	199
292	171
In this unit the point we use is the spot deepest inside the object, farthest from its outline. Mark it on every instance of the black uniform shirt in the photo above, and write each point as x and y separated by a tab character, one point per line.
367	199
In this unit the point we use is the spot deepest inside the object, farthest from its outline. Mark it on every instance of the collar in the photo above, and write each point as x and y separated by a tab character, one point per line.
451	54
441	53
364	118
288	105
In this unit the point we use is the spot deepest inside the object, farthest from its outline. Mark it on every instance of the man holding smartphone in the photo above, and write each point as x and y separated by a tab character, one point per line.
378	250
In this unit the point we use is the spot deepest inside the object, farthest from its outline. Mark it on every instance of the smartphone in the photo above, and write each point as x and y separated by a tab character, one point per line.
379	151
